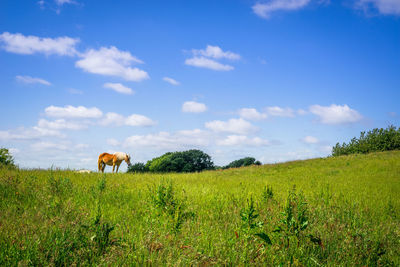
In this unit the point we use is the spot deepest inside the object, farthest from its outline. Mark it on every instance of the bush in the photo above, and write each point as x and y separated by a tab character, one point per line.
242	162
6	159
186	161
375	140
137	168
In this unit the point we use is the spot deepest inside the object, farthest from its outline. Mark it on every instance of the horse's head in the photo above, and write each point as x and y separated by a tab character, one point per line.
128	159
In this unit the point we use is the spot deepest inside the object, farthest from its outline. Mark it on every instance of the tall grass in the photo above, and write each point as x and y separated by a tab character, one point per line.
344	211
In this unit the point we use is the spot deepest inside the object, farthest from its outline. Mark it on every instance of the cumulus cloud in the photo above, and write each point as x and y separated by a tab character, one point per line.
164	140
61	124
73	112
112	62
171	81
21	44
115	119
215	52
206	58
63	146
280	112
252	114
63	2
235	140
310	140
31	80
385	7
265	9
119	88
193	107
139	120
335	114
236	126
28	133
207	63
113	142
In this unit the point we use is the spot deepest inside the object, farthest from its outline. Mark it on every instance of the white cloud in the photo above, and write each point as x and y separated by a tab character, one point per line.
205	58
139	120
112	62
236	126
31	80
280	112
61	124
193	107
252	114
20	44
207	63
75	91
44	146
113	142
62	2
164	140
171	81
116	119
215	52
242	140
301	112
310	140
73	112
28	134
335	114
119	88
265	9
386	7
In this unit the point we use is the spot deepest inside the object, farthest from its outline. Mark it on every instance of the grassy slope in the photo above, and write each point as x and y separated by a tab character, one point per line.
353	207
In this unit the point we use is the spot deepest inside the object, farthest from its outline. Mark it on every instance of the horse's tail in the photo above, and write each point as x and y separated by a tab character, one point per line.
100	161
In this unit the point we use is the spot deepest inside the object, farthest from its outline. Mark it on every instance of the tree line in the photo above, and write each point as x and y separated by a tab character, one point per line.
372	141
193	160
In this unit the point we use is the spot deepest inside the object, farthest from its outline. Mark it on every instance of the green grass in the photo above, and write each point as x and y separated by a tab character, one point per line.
351	207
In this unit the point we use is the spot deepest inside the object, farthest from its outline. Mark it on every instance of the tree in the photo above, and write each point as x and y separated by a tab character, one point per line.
374	140
247	161
6	159
137	168
184	161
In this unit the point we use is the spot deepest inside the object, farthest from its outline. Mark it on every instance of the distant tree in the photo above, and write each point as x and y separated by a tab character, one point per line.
6	159
185	161
372	141
137	168
242	162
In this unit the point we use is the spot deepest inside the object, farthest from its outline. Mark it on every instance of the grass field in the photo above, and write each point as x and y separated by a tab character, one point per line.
343	211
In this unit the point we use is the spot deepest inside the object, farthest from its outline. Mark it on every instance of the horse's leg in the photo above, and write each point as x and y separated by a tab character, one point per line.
103	166
113	166
118	166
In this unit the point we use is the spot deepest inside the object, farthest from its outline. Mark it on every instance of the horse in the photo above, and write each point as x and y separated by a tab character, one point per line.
112	160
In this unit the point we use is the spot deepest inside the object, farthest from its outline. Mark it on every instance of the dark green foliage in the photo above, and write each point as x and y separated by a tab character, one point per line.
295	217
6	159
251	225
186	161
372	141
137	168
242	162
164	199
267	193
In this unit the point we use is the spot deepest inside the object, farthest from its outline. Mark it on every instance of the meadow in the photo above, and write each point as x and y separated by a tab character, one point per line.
335	211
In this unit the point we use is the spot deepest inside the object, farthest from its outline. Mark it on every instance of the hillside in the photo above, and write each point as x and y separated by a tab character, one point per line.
343	211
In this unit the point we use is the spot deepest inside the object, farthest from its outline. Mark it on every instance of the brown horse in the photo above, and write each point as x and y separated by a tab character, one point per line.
112	160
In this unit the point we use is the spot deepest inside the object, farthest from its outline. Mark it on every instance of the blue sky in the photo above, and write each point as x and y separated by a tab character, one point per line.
277	80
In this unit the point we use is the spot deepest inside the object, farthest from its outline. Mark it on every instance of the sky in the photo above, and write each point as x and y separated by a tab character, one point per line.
277	80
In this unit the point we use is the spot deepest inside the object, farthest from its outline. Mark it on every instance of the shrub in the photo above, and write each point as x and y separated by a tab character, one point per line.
372	141
137	168
186	161
242	162
6	159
